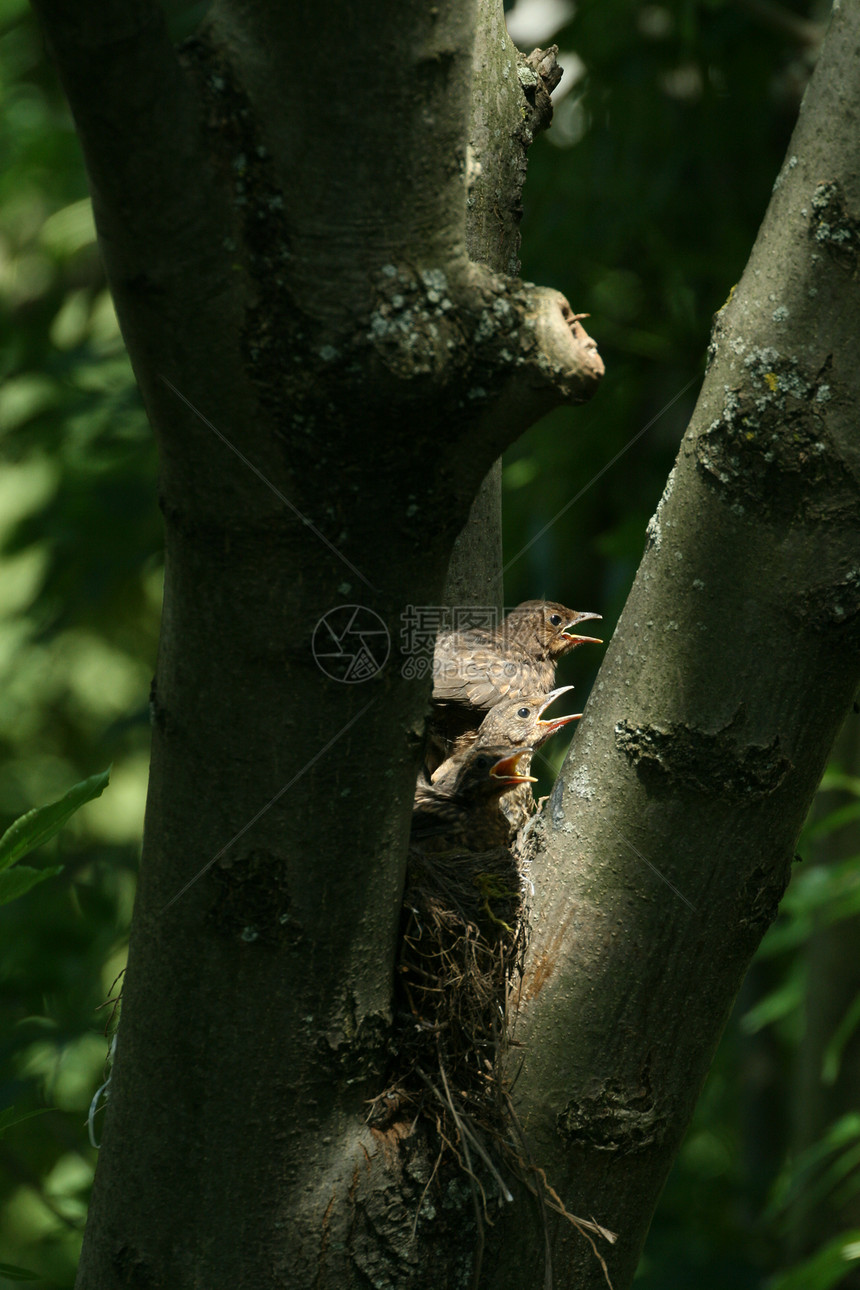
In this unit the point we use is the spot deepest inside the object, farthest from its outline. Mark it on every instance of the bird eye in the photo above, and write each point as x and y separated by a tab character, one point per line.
524	712
555	619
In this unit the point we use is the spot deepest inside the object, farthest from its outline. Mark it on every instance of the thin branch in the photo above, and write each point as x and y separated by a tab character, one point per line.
778	18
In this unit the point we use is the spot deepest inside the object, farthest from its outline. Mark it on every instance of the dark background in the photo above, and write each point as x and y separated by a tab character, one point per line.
641	206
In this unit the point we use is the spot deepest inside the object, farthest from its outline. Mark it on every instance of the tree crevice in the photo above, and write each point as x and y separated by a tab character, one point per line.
679	758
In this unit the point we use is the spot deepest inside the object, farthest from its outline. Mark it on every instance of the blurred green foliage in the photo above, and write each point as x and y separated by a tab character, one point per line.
79	598
642	204
33	829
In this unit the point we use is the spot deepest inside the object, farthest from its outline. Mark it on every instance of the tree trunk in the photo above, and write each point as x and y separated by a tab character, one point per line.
282	212
667	842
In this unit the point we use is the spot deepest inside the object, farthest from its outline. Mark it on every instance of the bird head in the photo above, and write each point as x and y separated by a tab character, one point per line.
548	728
548	627
513	769
489	772
520	721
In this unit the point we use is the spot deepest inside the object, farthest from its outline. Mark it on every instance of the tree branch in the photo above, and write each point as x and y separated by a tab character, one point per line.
383	97
662	854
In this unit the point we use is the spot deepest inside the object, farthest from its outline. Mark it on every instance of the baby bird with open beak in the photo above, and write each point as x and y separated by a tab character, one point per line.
461	810
518	722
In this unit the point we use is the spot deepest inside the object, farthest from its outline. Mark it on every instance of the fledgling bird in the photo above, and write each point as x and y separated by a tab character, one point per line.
476	669
516	722
461	811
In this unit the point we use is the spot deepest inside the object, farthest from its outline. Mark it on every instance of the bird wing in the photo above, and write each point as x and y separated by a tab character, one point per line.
475	680
428	821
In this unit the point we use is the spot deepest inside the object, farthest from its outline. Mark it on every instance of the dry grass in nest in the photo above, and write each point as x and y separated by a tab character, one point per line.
463	942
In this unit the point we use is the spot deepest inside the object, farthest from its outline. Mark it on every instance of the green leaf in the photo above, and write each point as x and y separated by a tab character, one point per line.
9	1116
819	896
37	826
830	823
827	1267
19	881
817	1170
834	779
778	1003
832	1058
13	1273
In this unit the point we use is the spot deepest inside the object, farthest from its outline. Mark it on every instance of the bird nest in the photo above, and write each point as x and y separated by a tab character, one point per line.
461	949
463	942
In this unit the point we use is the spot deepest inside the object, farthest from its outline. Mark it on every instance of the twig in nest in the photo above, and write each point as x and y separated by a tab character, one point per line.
463	1123
474	1180
426	1189
462	945
549	1198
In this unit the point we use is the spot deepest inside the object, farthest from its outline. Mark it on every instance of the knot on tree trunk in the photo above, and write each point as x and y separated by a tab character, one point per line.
539	74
